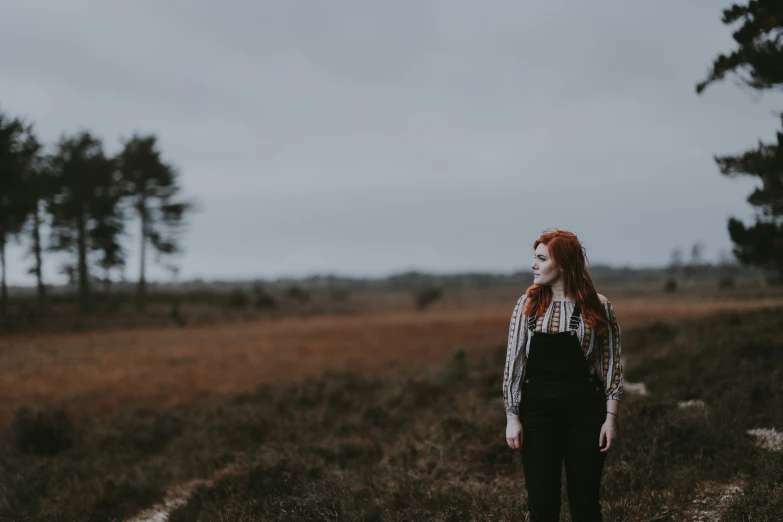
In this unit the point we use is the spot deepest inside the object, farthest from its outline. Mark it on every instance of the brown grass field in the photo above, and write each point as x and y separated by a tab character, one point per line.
105	372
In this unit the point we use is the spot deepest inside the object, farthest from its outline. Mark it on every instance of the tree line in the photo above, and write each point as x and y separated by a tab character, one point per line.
84	198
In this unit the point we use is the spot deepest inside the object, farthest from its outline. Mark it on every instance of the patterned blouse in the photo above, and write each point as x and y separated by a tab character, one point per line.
601	352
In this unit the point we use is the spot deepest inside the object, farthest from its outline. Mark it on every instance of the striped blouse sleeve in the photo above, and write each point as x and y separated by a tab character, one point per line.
611	357
514	360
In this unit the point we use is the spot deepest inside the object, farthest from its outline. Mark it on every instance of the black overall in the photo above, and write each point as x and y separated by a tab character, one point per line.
562	412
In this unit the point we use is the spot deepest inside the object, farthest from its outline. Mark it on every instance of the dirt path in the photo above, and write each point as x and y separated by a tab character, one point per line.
178	495
711	499
100	373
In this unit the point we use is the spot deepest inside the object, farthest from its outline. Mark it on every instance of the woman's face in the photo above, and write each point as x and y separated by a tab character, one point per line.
545	271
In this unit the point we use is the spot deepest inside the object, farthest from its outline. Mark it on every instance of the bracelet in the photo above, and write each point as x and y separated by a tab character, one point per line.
610	413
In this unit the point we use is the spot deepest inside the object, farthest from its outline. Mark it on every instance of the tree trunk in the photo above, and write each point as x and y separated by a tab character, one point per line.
38	259
107	282
4	290
141	296
84	282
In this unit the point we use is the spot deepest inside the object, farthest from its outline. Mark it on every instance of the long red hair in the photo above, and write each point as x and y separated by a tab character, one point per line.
569	254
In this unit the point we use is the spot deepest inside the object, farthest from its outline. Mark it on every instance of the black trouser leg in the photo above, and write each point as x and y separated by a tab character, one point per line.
584	463
542	459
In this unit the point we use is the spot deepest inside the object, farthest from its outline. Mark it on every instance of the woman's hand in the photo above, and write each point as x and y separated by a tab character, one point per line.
608	434
514	433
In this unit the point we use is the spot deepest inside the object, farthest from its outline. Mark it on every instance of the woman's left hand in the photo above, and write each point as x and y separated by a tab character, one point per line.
608	434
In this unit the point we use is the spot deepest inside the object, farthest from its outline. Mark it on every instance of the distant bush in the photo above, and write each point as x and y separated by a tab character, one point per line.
297	293
339	295
424	297
237	299
263	299
456	368
46	431
175	314
670	286
773	279
726	282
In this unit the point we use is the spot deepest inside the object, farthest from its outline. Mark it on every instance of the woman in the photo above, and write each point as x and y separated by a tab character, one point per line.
562	381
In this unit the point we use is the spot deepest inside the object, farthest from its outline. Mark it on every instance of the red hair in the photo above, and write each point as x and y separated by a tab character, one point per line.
569	254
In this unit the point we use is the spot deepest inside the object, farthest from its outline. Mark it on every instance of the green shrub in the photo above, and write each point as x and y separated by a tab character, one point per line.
237	299
120	499
426	296
762	498
339	295
46	431
297	293
726	282
263	299
455	370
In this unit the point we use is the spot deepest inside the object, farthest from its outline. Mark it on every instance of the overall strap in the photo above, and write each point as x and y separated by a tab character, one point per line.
531	323
573	324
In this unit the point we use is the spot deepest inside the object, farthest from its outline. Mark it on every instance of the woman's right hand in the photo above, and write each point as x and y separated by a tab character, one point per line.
514	433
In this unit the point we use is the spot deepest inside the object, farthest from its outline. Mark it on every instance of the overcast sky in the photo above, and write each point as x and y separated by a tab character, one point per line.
367	138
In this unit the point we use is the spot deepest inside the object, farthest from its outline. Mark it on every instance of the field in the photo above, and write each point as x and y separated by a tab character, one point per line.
391	414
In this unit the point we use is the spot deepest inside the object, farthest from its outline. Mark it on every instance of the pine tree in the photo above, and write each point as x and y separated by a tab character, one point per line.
85	204
758	62
14	207
36	191
153	187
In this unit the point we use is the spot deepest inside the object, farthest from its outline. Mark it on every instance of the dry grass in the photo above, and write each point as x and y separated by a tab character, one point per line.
103	373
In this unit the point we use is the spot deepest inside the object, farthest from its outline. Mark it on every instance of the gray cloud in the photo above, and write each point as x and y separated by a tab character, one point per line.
366	138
